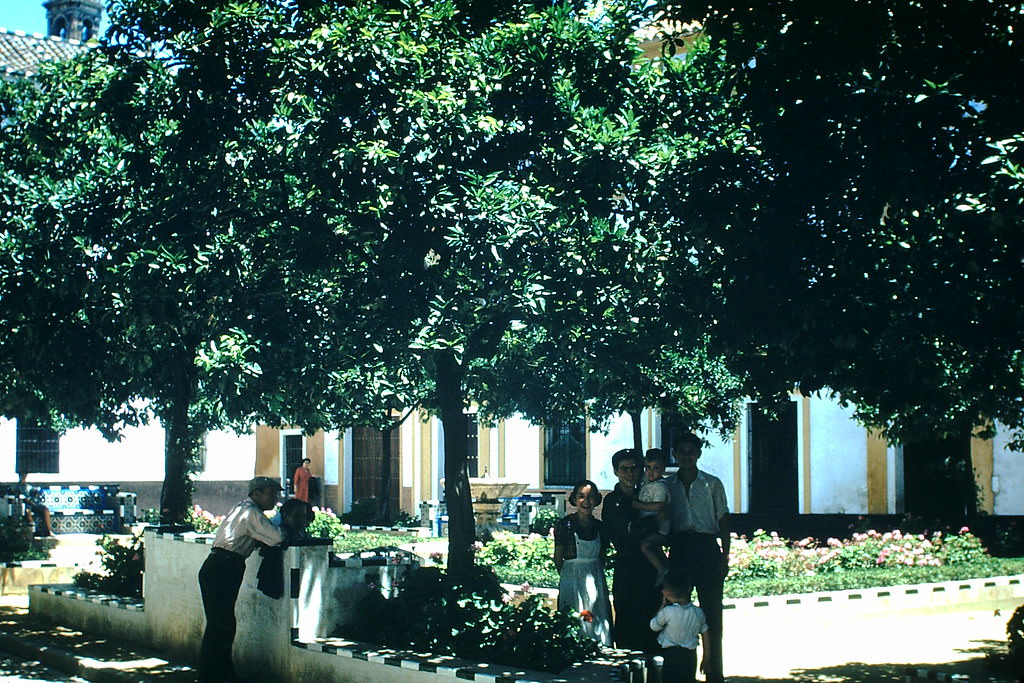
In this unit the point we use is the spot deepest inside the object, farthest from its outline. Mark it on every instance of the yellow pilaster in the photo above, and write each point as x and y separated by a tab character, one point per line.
983	460
424	457
268	451
315	452
483	442
878	473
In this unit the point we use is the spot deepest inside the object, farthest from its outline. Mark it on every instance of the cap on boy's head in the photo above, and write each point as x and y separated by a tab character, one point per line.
257	483
625	454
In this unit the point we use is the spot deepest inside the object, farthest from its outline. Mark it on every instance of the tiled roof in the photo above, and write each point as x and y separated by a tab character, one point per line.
21	53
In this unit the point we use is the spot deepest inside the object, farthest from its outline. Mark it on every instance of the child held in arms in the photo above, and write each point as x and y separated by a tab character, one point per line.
652	502
679	624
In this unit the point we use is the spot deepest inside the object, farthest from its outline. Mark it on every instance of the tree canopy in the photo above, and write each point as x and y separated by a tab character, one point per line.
315	213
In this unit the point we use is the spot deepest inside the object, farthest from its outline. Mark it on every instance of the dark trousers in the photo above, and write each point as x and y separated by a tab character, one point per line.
219	580
699	558
636	601
680	665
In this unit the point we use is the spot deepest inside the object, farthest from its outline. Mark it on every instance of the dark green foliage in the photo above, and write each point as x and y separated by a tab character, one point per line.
361	541
362	513
471	617
16	541
123	565
544	521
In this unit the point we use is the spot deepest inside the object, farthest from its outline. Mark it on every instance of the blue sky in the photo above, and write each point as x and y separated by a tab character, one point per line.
23	15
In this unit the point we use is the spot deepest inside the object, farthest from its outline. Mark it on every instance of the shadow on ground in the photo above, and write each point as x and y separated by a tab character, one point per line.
985	663
22	632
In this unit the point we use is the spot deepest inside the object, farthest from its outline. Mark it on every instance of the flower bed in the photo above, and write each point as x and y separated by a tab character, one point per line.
767	564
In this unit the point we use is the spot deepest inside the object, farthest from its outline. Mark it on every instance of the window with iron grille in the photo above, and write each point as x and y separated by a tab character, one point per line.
37	449
293	455
565	452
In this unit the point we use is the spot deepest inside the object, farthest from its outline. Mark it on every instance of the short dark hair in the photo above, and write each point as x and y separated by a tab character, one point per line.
625	454
656	454
688	437
677	584
288	505
305	460
579	486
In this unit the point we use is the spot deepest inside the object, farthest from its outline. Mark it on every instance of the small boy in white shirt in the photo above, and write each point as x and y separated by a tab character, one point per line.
652	501
679	624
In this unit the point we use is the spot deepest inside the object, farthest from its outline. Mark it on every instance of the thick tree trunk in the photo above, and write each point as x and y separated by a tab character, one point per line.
181	449
461	527
181	445
638	437
384	500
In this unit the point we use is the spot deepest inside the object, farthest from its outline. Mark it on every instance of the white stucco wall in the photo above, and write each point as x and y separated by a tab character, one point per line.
1007	475
603	445
839	460
717	458
138	456
522	452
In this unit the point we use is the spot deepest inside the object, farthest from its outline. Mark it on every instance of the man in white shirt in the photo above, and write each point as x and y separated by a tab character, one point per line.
221	574
699	540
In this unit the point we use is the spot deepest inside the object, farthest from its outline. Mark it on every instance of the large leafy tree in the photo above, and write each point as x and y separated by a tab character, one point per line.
866	235
430	171
143	274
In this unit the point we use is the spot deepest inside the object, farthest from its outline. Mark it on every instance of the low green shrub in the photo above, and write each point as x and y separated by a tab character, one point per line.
122	563
362	513
325	524
360	541
16	542
149	516
471	618
510	551
859	578
544	521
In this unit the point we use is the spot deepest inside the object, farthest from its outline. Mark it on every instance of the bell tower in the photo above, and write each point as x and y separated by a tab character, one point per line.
73	19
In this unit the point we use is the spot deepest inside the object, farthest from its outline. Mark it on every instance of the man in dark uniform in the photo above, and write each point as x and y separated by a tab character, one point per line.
635	597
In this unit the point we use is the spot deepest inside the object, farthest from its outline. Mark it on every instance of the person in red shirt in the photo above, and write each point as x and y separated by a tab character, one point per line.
300	480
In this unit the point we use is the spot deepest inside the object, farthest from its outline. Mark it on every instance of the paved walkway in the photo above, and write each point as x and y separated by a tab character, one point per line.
865	650
871	649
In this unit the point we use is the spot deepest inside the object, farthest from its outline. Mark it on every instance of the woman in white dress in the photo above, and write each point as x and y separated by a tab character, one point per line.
580	548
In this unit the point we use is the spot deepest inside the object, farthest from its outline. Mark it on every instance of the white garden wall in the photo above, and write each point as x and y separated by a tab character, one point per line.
277	640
